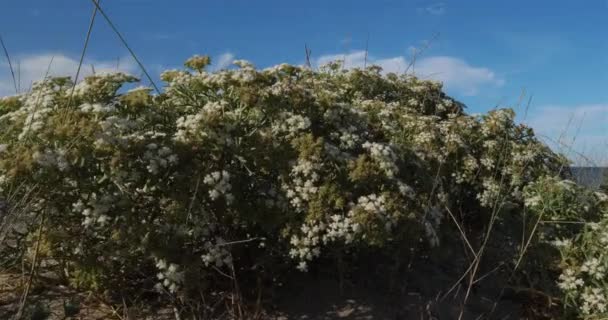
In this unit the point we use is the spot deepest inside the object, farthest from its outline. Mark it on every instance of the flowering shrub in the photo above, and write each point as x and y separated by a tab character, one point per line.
230	169
584	265
577	225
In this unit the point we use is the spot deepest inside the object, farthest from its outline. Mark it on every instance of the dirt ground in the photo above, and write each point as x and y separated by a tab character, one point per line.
423	294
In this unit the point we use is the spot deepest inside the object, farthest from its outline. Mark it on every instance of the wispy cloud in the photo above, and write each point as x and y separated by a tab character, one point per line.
577	131
435	9
346	41
33	68
455	73
222	61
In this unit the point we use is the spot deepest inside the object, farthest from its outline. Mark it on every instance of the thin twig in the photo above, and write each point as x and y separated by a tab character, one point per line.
84	50
418	52
18	76
10	64
570	149
366	51
462	234
124	42
198	181
32	269
237	242
307	52
490	272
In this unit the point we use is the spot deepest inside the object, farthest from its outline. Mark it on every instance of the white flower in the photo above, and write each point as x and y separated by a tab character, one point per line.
303	185
290	124
219	181
490	193
604	237
52	159
170	276
102	219
594	268
384	156
594	301
214	194
562	243
216	254
602	197
569	281
532	201
303	266
161	264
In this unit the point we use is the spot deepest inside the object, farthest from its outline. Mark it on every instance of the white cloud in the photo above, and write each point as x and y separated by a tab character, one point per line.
30	68
456	74
223	61
581	132
356	59
435	9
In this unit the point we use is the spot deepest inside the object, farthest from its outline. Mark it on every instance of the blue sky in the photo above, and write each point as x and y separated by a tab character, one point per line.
486	52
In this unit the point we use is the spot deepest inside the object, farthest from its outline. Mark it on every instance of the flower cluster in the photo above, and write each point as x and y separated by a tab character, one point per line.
375	206
305	175
569	281
52	159
97	108
96	210
290	124
341	227
169	275
385	157
306	246
219	183
158	158
594	301
216	254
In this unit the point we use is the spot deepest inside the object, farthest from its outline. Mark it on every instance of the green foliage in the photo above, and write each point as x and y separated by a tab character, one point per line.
563	204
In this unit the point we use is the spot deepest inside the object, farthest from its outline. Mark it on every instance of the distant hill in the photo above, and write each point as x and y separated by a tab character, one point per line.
589	176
